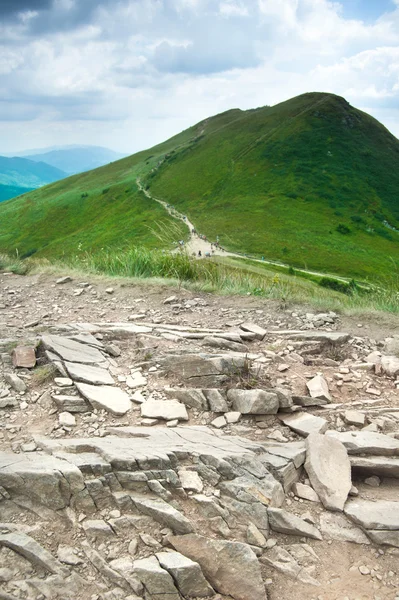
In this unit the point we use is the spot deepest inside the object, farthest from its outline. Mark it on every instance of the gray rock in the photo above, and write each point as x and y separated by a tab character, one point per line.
219	342
97	528
216	400
89	374
62	280
33	551
254	402
66	419
335	337
190	480
164	513
384	538
318	388
255	329
255	537
190	397
309	401
390	365
68	555
232	416
367	442
338	527
354	417
328	467
249	489
72	404
284	522
112	399
15	382
304	423
157	582
164	409
380	515
305	492
72	351
382	466
219	422
186	573
223	564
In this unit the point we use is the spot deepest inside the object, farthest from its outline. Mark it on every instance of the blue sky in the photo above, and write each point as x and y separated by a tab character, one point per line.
129	73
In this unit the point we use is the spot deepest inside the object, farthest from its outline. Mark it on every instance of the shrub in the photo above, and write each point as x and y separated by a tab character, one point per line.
343	229
335	284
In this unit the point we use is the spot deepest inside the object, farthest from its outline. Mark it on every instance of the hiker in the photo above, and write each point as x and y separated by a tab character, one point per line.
199	253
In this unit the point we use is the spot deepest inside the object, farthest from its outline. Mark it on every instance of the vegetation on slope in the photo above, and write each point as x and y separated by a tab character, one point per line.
11	191
311	182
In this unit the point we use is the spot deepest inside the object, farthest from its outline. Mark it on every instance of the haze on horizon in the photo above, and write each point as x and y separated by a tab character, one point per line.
127	74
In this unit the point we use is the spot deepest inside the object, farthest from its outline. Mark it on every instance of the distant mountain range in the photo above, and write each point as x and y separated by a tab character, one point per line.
31	169
73	159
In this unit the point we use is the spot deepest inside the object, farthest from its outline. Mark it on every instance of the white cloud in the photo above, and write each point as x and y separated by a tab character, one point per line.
128	74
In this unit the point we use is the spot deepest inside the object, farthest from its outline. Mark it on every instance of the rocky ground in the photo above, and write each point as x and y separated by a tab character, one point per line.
186	446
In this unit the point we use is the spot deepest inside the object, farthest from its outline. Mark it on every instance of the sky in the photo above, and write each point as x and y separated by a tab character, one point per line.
127	74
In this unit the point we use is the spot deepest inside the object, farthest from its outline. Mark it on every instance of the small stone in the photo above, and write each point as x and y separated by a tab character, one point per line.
232	416
172	423
318	388
24	357
62	280
364	570
132	548
219	422
29	447
15	382
63	381
373	481
255	537
354	417
109	290
305	492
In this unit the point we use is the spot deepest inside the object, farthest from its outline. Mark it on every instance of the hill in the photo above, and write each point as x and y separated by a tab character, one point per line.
25	173
10	191
75	159
312	182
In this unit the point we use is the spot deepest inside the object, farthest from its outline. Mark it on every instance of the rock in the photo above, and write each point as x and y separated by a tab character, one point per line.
62	280
390	365
186	573
72	351
309	401
232	416
28	447
15	382
284	522
380	515
367	442
382	466
219	422
88	374
223	564
33	551
364	570
338	527
373	481
132	548
112	350
384	537
190	397
190	480
254	402
255	329
304	423
170	300
328	468
354	417
255	537
157	582
136	380
305	492
71	404
164	409
219	342
216	400
97	528
318	388
66	419
68	555
112	399
24	357
334	337
109	290
63	381
9	402
282	561
164	513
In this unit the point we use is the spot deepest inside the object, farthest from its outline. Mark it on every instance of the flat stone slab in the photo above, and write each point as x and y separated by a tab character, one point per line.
253	328
380	515
106	397
367	442
254	402
383	466
304	423
186	573
89	374
72	351
328	468
284	522
164	409
335	337
338	527
156	580
28	547
224	563
164	513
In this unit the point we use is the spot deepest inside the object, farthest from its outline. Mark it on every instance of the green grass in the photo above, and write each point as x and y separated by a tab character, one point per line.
308	182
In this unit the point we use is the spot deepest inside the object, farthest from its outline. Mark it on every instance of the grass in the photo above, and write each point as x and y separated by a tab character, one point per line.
311	182
220	277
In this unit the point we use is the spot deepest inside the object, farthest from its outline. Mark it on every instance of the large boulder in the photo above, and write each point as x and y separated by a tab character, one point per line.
328	467
231	567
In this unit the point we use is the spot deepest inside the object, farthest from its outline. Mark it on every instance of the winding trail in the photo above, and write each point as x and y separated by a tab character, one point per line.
195	244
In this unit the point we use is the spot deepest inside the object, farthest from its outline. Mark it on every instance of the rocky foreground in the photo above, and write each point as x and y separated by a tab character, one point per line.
184	447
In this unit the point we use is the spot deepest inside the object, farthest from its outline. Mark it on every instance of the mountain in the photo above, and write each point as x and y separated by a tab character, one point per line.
312	182
10	191
20	175
74	159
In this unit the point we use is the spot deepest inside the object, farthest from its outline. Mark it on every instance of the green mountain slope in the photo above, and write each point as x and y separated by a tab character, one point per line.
312	182
22	172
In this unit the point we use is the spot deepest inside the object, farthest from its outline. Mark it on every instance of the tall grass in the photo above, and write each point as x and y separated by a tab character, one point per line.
13	264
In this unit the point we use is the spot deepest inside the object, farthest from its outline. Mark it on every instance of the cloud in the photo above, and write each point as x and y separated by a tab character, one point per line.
146	69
